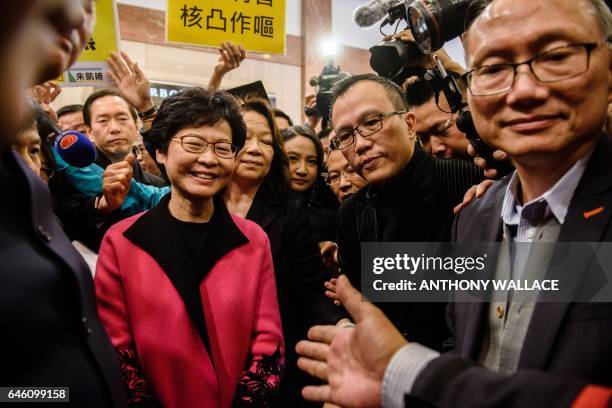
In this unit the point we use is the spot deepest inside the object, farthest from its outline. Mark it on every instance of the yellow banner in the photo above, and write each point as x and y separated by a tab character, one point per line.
105	36
90	69
259	25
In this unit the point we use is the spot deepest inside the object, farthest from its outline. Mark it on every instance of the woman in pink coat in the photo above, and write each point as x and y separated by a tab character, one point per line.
186	291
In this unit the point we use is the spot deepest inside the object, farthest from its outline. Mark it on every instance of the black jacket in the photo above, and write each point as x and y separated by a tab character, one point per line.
299	279
423	196
51	333
563	339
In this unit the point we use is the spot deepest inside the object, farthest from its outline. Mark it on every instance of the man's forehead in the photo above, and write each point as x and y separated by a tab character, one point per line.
503	21
362	99
110	101
336	162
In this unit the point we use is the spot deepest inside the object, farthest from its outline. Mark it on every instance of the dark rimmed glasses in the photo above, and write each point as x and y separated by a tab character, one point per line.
557	64
368	127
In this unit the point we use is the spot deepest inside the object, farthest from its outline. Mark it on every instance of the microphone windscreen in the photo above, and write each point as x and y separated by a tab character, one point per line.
372	12
75	148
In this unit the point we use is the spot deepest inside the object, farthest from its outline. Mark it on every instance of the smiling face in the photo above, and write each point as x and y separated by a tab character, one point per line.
193	176
255	158
303	165
540	122
381	156
113	129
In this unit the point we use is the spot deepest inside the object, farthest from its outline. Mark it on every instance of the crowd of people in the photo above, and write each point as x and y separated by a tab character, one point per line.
209	255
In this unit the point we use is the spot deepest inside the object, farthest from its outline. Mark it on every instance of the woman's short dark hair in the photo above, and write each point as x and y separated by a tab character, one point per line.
277	180
294	131
195	107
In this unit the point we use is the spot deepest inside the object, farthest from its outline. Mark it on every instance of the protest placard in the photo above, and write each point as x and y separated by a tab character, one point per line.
259	25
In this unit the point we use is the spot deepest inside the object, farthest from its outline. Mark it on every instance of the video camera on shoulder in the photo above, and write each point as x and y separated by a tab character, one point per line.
329	76
432	23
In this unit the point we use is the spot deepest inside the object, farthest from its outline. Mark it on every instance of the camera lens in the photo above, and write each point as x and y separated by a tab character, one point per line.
419	30
433	22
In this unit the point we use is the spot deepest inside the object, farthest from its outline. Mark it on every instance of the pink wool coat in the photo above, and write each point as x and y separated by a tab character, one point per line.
199	331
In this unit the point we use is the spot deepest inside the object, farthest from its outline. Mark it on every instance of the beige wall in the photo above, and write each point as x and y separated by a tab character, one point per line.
181	66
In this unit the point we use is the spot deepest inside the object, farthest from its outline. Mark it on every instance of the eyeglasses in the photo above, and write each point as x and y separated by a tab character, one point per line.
196	144
440	130
334	178
368	127
555	65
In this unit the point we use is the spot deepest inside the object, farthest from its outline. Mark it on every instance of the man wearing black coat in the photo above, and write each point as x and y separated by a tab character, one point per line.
411	194
51	334
540	84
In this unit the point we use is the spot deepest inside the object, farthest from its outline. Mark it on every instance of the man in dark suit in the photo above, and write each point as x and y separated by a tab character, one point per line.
51	334
410	195
540	82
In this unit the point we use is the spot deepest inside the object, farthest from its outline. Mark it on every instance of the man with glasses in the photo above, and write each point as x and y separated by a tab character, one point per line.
410	195
435	126
540	80
341	177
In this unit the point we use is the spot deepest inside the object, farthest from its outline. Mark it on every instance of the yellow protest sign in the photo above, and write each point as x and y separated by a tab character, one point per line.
259	25
90	69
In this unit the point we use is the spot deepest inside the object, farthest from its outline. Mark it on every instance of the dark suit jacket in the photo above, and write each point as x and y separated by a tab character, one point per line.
299	279
425	193
51	333
564	339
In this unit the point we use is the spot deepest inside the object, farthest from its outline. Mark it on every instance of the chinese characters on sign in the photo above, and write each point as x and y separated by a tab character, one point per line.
259	25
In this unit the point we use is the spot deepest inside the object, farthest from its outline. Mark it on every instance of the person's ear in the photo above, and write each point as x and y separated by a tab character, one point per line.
160	157
410	119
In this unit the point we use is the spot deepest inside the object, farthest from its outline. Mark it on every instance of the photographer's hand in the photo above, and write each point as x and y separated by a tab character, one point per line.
426	61
312	120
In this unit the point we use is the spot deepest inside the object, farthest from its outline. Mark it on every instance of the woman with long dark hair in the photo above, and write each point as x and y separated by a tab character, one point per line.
260	191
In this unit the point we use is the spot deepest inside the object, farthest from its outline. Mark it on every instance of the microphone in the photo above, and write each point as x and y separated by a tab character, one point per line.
374	11
75	148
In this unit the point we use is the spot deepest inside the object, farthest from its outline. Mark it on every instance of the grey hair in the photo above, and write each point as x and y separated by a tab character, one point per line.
600	9
604	16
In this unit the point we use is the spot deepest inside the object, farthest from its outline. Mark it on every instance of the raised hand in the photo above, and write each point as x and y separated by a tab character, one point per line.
230	57
351	360
311	102
116	184
131	81
45	94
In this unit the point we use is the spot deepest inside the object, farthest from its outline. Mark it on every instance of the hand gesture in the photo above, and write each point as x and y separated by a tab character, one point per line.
351	360
230	57
45	94
131	81
116	184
